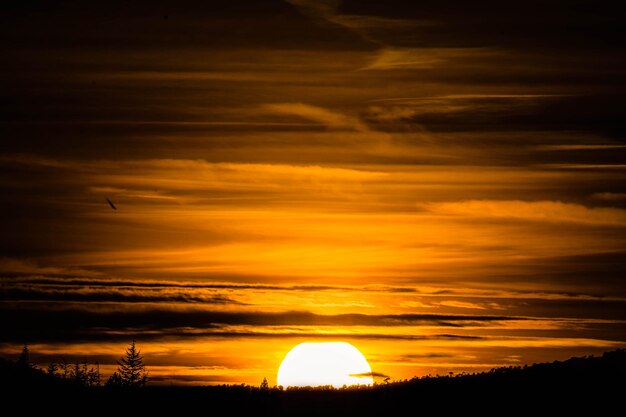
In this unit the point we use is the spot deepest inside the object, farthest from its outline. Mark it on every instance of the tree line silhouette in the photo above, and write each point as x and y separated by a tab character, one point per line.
131	371
585	383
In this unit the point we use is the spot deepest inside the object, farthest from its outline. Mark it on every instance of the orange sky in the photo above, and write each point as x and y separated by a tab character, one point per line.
441	186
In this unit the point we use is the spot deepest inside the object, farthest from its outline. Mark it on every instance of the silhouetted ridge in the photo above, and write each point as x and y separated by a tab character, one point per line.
585	383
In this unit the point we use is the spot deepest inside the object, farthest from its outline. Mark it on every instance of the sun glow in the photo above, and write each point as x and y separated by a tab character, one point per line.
327	363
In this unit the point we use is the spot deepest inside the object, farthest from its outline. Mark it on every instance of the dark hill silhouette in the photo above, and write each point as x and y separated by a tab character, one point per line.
596	384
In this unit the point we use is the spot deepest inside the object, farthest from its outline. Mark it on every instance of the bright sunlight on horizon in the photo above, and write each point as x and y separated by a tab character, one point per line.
336	364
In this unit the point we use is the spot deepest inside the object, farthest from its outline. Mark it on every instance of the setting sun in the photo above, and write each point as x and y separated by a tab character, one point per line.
328	363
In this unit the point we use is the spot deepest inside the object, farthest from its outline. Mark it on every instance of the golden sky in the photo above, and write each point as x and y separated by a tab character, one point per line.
440	184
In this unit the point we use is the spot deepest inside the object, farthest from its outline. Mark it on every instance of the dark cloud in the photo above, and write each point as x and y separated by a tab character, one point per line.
427	356
518	113
165	24
529	24
113	296
608	270
77	282
57	323
370	374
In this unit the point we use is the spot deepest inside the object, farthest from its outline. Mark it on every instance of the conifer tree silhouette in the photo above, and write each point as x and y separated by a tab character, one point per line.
131	371
24	360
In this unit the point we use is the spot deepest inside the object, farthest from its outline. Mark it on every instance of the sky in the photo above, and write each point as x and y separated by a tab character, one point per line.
441	184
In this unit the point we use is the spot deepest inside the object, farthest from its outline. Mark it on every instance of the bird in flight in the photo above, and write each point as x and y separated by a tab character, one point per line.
111	204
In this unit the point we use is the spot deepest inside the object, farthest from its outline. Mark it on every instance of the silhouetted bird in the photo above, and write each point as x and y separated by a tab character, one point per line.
111	204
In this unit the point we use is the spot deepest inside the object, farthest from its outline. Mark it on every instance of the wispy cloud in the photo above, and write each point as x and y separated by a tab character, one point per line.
407	58
580	147
371	375
607	196
25	267
330	119
463	305
543	211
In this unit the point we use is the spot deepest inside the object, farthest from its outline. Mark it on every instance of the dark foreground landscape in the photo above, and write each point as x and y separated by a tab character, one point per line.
596	384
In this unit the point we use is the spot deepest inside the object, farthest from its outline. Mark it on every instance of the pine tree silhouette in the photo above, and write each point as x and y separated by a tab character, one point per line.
93	376
131	369
24	360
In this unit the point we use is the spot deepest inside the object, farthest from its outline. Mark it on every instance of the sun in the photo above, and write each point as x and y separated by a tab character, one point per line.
327	363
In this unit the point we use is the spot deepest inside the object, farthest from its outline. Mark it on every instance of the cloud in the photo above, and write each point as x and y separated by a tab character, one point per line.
416	58
606	196
563	126
587	166
412	356
25	267
487	22
319	8
460	106
579	147
371	375
117	295
173	317
462	304
330	119
45	321
539	211
56	282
